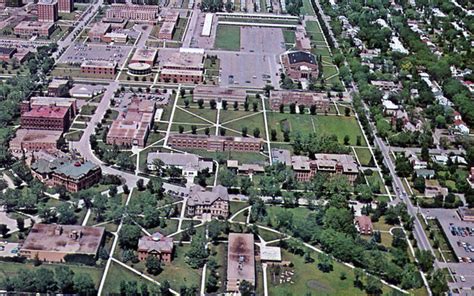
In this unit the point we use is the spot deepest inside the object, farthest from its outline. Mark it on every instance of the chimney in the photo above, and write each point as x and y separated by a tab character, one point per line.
74	235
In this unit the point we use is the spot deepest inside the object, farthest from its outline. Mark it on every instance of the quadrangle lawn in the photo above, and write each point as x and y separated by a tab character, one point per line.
251	123
181	116
364	155
117	274
227	37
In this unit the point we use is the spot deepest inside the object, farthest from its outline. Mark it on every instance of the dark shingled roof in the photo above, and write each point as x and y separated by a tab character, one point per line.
301	57
7	50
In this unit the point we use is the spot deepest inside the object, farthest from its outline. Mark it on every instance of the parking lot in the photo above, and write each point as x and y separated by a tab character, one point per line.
77	53
460	234
262	40
8	249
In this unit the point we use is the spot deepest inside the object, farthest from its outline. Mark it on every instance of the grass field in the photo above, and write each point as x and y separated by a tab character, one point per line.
117	274
375	177
307	9
235	206
289	36
364	155
227	37
308	279
251	123
181	116
171	227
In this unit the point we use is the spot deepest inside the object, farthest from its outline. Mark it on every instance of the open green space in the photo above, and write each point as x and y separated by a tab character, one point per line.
340	126
289	36
231	114
74	136
364	156
181	116
307	8
375	178
227	37
206	113
235	206
117	274
308	279
251	123
170	227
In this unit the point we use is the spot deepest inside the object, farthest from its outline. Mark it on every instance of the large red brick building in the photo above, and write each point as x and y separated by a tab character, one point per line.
65	6
215	143
184	66
287	97
46	118
99	69
300	65
48	11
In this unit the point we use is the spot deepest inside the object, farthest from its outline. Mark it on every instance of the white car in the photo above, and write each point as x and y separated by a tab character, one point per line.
462	278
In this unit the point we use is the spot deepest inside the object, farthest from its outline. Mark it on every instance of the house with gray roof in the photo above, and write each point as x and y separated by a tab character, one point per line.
208	204
189	164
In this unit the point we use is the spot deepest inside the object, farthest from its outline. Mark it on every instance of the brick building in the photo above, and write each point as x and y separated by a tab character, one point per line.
6	53
145	56
132	126
46	118
26	140
305	168
210	204
156	245
99	69
215	143
184	66
58	87
363	225
48	11
169	24
287	97
300	65
137	13
30	28
66	6
98	31
53	242
218	94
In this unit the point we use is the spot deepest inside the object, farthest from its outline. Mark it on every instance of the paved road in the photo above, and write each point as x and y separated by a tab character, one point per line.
84	147
432	151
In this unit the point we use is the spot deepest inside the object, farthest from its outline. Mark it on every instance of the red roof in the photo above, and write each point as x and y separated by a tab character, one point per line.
47	112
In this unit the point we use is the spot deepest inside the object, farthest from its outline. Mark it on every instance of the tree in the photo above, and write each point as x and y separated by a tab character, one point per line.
244	131
212	104
129	236
246	288
438	282
181	129
273	135
373	286
325	263
312	109
66	214
292	108
224	104
236	106
214	229
301	107
20	223
425	260
83	284
165	288
346	139
282	108
44	281
347	111
255	106
140	185
227	178
256	132
153	265
64	279
193	129
200	103
197	255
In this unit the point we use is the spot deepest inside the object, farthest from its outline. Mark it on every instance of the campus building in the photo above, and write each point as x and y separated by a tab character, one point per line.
69	103
302	41
215	143
363	225
66	6
145	56
6	53
190	164
72	174
99	69
183	66
31	28
240	260
98	31
343	164
47	11
137	13
53	242
219	94
54	118
287	97
132	126
58	87
156	245
169	24
300	65
209	204
27	140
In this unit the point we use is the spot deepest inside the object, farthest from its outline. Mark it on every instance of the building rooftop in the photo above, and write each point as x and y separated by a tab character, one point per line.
98	63
281	155
184	59
25	25
156	242
31	136
268	253
240	260
199	196
186	160
212	91
296	57
46	112
7	50
64	238
76	169
145	55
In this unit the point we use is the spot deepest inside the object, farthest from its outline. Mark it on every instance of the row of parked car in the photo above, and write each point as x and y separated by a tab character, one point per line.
461	230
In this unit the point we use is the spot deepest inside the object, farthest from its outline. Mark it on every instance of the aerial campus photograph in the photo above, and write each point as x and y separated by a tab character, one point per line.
237	147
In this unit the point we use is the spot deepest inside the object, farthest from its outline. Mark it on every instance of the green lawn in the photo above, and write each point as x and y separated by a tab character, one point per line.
295	123
307	9
299	214
235	206
206	113
74	136
307	278
230	114
289	36
227	37
219	253
375	177
117	274
181	116
340	126
171	227
251	123
364	155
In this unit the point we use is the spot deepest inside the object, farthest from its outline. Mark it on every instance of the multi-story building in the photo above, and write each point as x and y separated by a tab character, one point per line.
58	87
215	143
98	31
48	11
29	28
344	164
69	103
26	141
99	69
156	245
287	97
208	204
189	164
184	66
218	94
132	126
46	118
300	65
65	6
169	24
137	13
145	56
53	242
